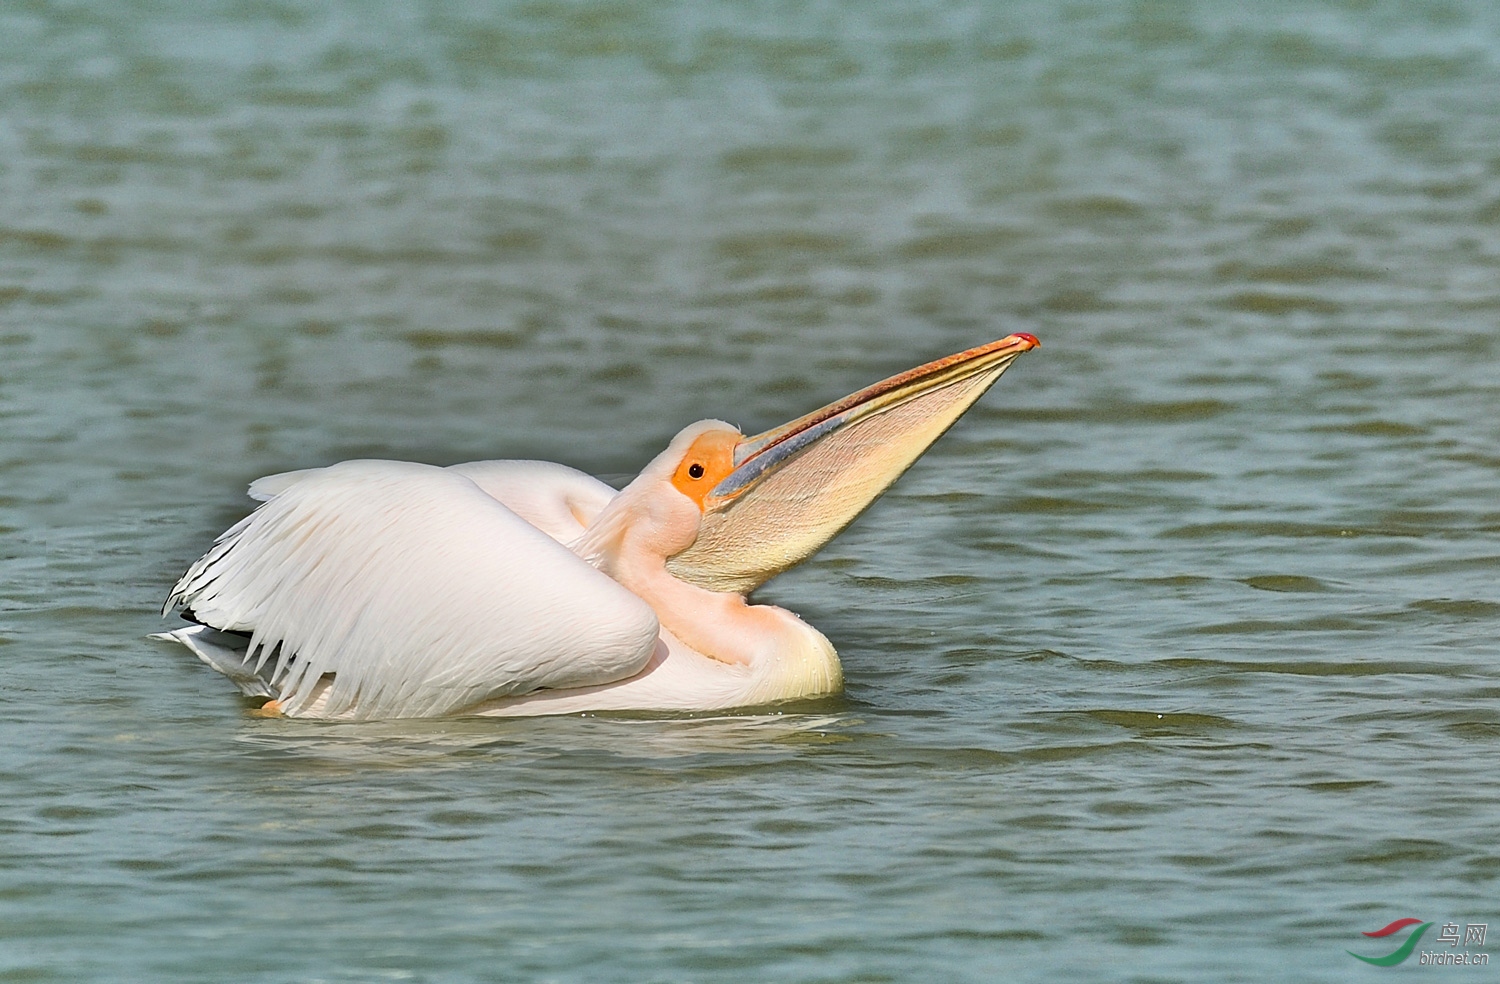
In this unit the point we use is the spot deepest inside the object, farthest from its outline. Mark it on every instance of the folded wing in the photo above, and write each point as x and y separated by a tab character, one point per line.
420	594
558	500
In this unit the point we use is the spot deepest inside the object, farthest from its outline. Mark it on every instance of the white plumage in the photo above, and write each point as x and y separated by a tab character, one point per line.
376	589
419	592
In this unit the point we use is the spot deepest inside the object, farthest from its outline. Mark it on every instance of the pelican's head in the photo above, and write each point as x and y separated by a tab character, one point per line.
749	508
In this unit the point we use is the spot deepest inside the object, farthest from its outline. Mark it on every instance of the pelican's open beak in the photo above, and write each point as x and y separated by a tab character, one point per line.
793	488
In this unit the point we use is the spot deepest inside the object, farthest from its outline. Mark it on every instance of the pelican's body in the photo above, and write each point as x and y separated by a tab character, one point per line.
390	589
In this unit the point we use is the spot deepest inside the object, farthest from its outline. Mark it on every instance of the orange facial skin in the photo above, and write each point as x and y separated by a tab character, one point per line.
708	460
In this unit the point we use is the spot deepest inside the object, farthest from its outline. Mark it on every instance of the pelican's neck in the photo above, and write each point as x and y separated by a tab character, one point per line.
787	659
720	625
784	657
631	541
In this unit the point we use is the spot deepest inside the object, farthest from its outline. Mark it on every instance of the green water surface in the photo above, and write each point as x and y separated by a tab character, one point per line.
1174	661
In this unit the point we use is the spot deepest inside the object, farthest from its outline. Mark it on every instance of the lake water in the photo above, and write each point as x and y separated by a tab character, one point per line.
1175	661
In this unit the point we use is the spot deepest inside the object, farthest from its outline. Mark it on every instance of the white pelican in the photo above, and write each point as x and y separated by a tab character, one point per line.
381	589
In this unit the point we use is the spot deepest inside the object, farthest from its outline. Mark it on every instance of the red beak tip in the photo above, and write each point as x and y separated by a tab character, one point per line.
1027	336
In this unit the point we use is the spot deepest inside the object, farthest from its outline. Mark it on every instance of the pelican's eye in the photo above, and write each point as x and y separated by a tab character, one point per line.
695	470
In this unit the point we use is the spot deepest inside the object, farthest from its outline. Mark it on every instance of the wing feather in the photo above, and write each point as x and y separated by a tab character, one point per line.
418	591
558	500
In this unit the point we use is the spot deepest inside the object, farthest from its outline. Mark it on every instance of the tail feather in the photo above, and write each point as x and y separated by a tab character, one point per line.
224	652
